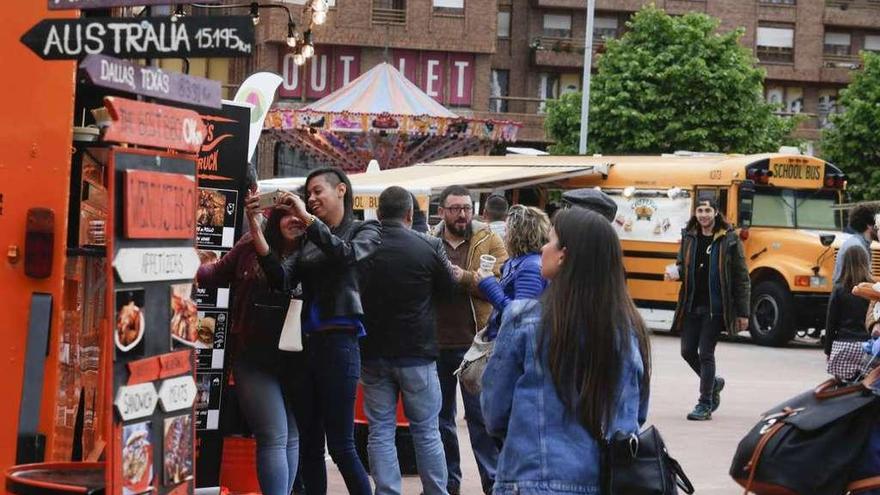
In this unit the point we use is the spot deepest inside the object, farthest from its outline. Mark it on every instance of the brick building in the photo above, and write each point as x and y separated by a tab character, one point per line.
500	58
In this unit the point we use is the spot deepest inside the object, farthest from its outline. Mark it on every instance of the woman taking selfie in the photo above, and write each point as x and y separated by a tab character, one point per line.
259	368
569	368
323	388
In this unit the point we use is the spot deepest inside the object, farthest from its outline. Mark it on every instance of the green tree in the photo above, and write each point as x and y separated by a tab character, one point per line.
672	83
853	140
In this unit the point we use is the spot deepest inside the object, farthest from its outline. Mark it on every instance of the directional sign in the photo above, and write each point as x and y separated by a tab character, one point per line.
113	73
149	124
177	393
136	401
101	4
156	264
146	37
159	205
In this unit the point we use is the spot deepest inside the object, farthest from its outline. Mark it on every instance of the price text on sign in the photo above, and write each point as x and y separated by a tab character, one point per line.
149	124
159	205
147	37
136	401
156	264
100	4
113	73
177	393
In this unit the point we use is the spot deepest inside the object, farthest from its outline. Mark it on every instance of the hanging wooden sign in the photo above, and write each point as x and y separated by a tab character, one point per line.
102	4
156	264
159	205
142	37
136	401
177	393
113	73
149	124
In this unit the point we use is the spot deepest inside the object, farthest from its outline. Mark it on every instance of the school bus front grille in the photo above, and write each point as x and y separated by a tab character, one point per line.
875	261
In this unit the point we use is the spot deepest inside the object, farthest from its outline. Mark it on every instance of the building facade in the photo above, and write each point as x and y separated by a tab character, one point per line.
502	59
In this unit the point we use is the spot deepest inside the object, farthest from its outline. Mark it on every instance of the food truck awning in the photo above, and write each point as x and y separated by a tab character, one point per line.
480	174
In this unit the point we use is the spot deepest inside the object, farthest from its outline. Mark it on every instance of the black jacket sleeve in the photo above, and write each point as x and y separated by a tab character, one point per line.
363	243
444	282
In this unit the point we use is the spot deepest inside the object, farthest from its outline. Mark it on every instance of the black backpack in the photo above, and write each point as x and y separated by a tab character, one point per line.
809	445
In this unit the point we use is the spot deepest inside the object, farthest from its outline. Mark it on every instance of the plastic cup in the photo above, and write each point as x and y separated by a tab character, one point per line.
672	271
487	262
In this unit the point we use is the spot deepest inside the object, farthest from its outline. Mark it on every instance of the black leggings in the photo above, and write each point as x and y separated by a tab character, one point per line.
698	339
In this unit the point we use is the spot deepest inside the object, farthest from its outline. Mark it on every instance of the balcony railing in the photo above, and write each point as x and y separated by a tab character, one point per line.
856	4
851	62
389	16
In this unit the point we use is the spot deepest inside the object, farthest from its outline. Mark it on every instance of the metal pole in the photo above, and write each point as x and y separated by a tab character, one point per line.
588	65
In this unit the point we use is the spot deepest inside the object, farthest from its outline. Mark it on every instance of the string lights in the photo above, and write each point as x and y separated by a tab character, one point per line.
303	47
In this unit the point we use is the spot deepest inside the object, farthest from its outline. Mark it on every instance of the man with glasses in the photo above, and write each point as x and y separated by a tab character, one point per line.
458	320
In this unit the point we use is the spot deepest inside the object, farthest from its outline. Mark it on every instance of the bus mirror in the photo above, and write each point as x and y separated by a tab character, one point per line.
746	200
826	239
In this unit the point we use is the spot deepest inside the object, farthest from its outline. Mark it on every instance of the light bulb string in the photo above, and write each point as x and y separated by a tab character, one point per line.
254	6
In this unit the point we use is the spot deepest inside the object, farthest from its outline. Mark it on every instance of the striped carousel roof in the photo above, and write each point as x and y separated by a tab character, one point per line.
382	89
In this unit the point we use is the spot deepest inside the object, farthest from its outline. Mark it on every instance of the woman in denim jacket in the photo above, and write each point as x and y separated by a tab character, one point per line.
568	369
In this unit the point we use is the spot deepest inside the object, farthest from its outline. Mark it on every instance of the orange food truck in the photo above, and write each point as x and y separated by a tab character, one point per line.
103	333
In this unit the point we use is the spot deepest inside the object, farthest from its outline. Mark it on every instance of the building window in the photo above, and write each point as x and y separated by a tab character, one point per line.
389	11
827	106
787	99
838	44
292	162
503	24
451	7
557	25
548	89
500	88
604	27
775	44
872	43
777	2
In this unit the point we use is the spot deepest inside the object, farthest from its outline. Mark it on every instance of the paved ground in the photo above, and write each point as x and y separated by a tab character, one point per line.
757	378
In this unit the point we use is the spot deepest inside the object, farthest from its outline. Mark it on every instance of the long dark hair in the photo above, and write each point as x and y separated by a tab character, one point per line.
587	319
720	221
334	176
855	268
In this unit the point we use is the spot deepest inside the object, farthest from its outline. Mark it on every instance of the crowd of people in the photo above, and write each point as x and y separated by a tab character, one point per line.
530	315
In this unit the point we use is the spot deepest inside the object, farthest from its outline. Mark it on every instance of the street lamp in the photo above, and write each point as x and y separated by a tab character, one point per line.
588	65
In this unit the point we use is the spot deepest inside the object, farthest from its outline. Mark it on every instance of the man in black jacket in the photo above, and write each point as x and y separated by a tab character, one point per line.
400	350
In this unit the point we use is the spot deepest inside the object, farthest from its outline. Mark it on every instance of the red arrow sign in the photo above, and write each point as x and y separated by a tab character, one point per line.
149	124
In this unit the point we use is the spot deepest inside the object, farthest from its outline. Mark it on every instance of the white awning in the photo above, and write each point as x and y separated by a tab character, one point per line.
605	22
843	39
432	179
557	21
775	37
872	42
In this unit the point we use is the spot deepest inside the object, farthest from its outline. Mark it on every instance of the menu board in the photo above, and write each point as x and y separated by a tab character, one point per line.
222	170
154	263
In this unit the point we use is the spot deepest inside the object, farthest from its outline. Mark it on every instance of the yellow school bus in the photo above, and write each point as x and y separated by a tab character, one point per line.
780	204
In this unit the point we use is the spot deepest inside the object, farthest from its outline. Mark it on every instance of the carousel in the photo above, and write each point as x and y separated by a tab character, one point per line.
383	116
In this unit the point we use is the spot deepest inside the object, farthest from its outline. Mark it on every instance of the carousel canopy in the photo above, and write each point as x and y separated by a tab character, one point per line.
381	115
382	89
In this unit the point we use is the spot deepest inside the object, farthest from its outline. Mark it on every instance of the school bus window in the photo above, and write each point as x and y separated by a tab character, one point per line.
814	210
795	209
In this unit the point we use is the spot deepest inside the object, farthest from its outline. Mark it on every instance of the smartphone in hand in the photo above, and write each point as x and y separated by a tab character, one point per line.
268	199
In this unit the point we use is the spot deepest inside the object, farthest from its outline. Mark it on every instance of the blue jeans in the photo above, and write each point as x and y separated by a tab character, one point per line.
258	373
382	383
323	392
484	446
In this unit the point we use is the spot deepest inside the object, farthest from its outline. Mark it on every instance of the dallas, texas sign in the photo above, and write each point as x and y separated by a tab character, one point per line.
113	73
101	4
148	37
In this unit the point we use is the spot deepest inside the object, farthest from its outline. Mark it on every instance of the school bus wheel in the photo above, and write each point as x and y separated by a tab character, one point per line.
772	321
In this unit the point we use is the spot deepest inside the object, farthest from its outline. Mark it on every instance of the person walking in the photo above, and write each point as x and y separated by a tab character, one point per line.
324	386
862	223
258	366
400	350
570	369
495	214
458	320
714	297
845	324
